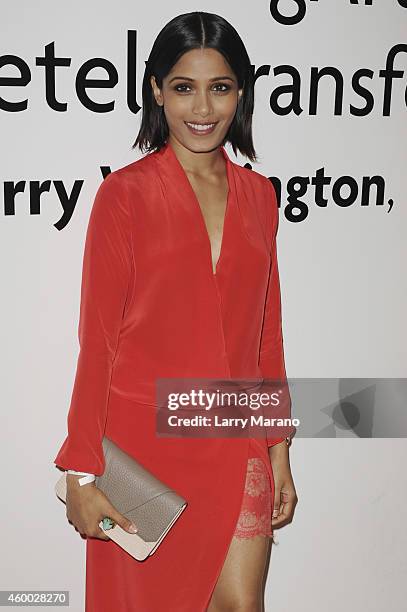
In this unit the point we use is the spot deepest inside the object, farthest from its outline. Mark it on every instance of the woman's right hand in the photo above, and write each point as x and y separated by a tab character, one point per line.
87	505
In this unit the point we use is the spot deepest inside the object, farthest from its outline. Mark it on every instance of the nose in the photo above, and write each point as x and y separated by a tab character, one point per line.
202	104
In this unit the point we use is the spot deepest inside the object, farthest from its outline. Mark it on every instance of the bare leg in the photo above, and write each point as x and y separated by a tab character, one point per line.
240	585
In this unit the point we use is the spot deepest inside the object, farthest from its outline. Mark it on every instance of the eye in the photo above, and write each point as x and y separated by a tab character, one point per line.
226	87
177	87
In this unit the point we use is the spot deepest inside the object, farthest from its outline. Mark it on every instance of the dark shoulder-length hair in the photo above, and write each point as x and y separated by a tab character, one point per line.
197	30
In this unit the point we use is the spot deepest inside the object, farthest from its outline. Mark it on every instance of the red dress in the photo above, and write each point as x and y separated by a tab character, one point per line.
152	307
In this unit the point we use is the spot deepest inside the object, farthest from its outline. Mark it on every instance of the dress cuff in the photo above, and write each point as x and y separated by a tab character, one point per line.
87	477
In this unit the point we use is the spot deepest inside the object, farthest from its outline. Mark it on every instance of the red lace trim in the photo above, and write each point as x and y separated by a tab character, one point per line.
255	515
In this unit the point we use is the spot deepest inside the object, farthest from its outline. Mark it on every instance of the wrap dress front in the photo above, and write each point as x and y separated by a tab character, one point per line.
152	307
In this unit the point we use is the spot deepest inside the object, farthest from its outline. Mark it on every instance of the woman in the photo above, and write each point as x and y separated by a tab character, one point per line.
180	279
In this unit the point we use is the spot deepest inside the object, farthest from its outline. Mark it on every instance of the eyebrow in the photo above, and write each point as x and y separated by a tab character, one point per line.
219	78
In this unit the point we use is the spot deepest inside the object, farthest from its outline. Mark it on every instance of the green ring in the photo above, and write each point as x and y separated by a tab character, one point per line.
108	523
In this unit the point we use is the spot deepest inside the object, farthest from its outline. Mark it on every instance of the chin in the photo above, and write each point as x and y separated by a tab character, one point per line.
201	147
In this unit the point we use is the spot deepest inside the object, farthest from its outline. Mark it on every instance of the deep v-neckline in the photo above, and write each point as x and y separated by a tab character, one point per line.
201	215
208	240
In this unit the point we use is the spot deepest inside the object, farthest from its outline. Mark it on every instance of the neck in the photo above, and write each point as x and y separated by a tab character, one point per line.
199	163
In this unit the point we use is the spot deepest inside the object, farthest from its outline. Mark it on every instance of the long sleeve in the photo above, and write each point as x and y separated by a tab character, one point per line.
106	272
271	361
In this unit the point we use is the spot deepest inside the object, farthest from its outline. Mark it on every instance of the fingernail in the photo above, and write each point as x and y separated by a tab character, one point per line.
133	528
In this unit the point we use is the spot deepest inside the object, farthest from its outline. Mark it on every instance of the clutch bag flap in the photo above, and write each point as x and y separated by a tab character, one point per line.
137	493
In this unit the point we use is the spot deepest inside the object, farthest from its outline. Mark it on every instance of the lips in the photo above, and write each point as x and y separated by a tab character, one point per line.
201	129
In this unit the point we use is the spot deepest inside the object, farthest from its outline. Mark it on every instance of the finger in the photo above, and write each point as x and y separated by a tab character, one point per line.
277	523
121	520
288	508
286	514
99	534
102	535
276	505
283	502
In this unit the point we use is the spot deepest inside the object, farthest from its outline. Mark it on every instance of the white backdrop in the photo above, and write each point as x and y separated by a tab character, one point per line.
342	274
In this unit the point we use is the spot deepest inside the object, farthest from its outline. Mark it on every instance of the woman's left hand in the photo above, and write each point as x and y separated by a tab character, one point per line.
285	496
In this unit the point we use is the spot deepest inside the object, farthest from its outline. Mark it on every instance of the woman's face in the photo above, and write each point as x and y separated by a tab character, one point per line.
200	90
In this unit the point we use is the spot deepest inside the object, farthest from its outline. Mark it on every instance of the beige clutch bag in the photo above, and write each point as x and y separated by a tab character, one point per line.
137	494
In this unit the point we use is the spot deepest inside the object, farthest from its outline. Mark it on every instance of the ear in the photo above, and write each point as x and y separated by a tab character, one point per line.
156	91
